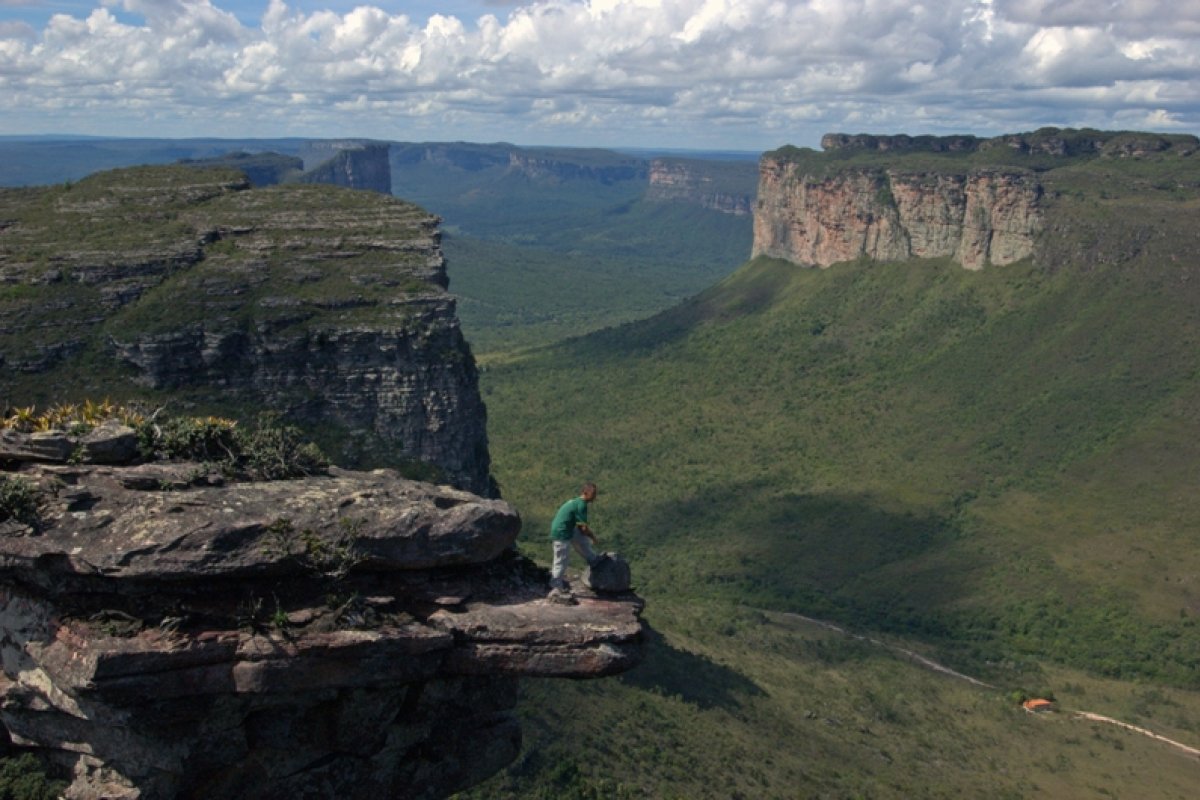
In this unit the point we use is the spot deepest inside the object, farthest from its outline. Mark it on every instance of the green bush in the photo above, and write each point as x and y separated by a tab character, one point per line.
24	778
197	439
272	450
18	500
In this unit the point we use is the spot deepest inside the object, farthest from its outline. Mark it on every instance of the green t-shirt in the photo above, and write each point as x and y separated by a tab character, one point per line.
569	515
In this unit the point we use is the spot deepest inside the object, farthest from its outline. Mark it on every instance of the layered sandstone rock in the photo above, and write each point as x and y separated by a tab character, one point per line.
325	304
354	165
985	216
166	634
717	186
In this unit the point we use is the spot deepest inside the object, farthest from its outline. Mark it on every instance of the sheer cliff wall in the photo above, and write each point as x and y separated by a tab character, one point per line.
985	216
353	165
974	200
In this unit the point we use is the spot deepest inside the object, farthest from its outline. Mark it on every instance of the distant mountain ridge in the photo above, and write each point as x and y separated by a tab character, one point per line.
352	164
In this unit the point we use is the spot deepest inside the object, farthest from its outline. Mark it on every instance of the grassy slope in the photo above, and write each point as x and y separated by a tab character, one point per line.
897	437
1001	464
734	703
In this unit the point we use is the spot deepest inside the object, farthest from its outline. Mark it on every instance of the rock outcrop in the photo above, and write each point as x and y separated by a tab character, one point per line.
975	201
987	216
353	165
166	633
325	304
727	187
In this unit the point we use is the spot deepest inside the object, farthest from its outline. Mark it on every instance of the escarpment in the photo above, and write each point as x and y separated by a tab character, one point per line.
548	164
982	216
975	201
327	305
168	632
354	165
724	187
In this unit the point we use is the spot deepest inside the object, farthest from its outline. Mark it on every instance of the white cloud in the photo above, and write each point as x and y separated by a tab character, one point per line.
757	72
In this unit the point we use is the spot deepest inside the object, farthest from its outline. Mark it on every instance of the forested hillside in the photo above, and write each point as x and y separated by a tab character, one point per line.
997	467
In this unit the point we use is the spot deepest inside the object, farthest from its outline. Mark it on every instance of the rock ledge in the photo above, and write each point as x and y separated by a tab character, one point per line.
165	634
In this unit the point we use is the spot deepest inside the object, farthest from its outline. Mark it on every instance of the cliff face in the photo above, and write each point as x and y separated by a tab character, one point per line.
727	188
325	304
984	216
166	633
539	165
352	165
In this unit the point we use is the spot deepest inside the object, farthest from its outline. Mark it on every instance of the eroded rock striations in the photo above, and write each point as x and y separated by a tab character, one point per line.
895	197
984	216
326	304
166	633
718	186
352	164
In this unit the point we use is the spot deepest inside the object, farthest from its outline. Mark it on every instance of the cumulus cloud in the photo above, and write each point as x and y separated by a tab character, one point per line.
698	72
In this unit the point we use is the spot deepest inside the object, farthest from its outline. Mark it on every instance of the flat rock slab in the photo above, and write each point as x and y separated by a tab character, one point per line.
118	522
536	637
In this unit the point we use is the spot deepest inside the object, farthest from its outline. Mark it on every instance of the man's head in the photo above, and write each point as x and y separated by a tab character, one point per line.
589	492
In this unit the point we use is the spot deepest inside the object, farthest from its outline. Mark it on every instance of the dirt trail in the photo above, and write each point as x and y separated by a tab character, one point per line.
941	668
1088	715
909	654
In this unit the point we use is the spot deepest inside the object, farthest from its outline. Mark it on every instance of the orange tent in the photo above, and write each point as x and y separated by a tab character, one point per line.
1038	704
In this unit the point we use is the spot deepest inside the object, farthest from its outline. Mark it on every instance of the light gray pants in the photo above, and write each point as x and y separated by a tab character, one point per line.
562	552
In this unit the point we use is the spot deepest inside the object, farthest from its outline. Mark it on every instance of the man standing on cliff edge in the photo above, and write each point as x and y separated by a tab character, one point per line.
570	528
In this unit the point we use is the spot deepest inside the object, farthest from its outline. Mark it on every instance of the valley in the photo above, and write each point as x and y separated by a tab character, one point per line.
992	468
908	431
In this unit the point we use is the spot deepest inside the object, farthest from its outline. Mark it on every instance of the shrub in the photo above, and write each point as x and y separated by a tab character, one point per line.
274	450
197	439
271	451
19	500
24	778
76	419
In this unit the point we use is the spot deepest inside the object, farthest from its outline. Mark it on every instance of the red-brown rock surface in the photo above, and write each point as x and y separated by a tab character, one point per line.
984	216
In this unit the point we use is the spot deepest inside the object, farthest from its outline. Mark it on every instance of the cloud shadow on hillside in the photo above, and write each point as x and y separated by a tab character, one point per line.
852	557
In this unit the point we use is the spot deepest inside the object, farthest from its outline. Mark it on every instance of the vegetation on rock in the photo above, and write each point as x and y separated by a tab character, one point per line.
270	449
24	778
18	501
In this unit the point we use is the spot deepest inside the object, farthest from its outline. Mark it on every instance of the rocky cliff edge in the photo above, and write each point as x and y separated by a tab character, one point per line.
984	216
325	304
974	201
169	633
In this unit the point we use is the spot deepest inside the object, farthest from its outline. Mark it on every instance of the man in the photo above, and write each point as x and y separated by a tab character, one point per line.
570	528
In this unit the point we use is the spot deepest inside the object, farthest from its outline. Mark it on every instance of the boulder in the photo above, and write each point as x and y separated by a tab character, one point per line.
37	446
610	573
110	443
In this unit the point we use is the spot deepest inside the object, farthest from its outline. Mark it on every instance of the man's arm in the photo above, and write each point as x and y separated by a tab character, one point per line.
581	522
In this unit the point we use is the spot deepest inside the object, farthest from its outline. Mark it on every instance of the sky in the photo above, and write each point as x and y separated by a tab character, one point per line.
701	74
